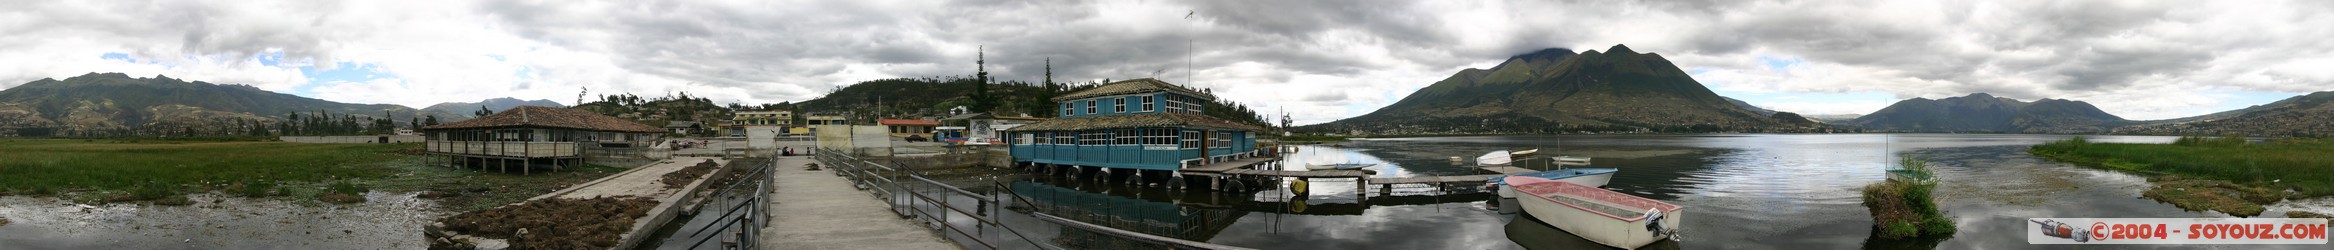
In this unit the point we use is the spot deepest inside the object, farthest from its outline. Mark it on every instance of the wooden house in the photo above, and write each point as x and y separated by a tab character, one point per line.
536	136
1143	126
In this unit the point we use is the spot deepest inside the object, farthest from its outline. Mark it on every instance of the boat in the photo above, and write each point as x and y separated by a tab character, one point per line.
1603	216
1571	160
1504	157
1594	177
1494	158
1339	166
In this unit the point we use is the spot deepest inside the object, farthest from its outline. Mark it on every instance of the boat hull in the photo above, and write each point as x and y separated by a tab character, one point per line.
1586	222
1598	179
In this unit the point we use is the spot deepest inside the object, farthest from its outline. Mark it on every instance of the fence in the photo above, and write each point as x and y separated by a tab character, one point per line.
913	195
742	212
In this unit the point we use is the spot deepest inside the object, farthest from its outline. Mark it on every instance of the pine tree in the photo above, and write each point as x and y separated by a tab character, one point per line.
482	111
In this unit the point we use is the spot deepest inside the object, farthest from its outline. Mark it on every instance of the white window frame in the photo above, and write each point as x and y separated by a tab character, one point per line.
1119	105
1147	105
1090	106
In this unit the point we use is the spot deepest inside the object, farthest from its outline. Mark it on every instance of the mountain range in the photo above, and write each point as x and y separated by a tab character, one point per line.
1557	90
99	104
1982	112
2305	115
466	110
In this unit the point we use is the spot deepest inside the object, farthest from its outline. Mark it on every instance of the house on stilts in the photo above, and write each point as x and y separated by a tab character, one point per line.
528	137
1140	130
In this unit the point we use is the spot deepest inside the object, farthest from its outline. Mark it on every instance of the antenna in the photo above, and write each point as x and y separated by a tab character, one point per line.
1188	49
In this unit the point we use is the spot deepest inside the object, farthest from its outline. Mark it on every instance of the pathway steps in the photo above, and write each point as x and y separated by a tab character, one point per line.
818	210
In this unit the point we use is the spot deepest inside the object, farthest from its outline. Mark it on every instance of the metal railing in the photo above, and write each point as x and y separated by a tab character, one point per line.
912	195
743	212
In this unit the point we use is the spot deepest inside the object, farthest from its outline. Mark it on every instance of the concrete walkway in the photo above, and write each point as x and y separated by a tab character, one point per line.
818	210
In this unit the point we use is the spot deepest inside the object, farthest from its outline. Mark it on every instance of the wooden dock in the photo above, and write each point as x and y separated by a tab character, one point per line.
1220	167
1301	174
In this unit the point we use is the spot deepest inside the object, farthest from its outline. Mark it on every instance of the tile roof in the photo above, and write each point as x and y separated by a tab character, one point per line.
1136	121
906	122
1131	87
539	116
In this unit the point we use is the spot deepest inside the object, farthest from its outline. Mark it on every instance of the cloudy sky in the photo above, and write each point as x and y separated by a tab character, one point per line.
1321	60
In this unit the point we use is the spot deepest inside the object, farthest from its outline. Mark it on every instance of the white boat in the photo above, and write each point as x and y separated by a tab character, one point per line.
1523	153
1571	160
1339	166
1500	157
1594	177
1599	215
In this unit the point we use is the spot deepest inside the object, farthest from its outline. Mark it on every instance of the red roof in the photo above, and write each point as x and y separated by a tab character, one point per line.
907	122
538	116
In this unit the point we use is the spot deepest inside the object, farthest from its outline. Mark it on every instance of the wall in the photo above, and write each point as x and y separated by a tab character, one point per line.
351	139
862	140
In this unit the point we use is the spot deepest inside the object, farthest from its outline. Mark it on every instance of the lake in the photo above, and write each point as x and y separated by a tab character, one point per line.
1741	192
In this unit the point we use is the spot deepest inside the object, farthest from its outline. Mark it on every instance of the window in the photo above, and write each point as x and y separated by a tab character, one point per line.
1067	110
1159	136
1147	104
1190	140
1128	137
1120	106
1089	107
1064	138
1021	138
1174	104
1223	140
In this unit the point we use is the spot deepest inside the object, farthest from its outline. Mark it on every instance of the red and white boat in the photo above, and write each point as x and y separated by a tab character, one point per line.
1606	217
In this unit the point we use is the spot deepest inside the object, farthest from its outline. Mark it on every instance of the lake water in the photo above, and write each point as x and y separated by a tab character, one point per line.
1741	192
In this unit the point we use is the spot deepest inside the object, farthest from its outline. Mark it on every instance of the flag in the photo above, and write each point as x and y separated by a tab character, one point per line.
1188	15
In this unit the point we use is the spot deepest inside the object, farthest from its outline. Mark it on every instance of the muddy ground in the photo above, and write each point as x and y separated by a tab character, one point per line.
550	223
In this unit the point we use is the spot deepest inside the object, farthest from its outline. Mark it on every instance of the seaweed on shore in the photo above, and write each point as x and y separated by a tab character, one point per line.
678	178
595	223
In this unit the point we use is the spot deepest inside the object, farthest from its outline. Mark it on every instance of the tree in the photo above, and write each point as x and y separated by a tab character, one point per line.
980	94
432	121
482	111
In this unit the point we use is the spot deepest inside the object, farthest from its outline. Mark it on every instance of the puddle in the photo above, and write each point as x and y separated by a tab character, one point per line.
387	221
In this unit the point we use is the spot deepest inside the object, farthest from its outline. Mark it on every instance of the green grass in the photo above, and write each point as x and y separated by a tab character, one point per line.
155	169
97	170
2305	165
1907	209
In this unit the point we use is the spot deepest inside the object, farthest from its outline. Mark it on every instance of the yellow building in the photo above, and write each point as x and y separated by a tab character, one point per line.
761	118
815	120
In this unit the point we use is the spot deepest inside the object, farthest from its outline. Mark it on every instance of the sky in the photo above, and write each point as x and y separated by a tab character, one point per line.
1316	60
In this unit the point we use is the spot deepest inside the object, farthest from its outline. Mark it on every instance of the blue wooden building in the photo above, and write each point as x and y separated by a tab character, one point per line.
1141	127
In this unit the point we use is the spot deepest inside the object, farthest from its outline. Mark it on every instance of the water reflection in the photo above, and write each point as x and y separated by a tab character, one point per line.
1745	191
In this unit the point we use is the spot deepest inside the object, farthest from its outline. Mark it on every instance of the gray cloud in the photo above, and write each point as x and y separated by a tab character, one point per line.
1277	53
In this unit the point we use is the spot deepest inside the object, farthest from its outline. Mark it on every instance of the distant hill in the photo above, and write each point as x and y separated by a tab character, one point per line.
465	109
117	104
1738	103
1981	112
1556	90
2306	115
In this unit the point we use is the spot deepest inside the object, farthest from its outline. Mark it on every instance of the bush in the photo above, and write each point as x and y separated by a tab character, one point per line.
2203	141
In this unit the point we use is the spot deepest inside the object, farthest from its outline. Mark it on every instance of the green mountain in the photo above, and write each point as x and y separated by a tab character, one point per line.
2305	115
115	104
464	110
1982	112
1555	90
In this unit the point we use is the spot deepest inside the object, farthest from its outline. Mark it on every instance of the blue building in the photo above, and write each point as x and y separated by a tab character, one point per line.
1143	127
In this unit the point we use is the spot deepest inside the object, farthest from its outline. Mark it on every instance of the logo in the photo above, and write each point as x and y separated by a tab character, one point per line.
2176	231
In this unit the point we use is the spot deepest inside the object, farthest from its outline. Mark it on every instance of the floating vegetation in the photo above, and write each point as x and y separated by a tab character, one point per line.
1907	209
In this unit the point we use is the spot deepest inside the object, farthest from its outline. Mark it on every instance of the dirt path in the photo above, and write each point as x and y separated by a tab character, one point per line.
818	210
642	183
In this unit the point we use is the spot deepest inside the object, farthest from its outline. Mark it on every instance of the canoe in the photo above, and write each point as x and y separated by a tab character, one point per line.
1571	159
1339	166
1594	177
1599	215
1523	153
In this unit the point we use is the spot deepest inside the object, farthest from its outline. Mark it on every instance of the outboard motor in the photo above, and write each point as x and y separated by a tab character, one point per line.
1655	226
2053	228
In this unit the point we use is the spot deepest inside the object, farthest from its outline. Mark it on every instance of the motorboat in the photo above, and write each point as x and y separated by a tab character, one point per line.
1603	216
1594	177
